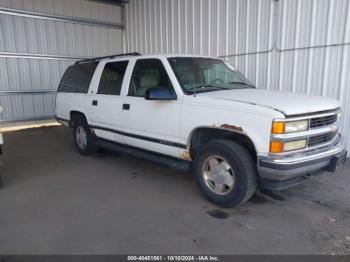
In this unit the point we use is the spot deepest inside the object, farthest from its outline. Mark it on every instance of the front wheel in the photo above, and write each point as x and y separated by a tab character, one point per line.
225	172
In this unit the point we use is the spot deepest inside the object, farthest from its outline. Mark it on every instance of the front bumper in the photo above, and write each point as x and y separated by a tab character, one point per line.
281	173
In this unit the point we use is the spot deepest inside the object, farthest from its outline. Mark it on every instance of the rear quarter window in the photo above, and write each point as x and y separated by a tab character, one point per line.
77	78
112	78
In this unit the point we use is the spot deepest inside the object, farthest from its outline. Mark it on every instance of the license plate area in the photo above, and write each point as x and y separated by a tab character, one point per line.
337	162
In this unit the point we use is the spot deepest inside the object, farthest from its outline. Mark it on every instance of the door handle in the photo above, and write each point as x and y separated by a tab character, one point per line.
94	102
126	106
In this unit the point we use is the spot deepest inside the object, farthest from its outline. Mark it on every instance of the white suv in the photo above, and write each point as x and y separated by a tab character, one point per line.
199	112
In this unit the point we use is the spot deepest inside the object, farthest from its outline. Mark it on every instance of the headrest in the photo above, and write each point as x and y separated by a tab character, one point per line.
148	81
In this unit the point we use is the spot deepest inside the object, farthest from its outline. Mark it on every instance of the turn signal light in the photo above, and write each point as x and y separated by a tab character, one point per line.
279	147
276	147
278	127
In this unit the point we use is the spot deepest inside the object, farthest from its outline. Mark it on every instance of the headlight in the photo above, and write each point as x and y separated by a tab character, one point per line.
279	127
280	147
294	145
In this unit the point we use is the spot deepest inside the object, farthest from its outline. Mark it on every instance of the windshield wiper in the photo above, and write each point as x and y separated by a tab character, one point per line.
241	83
206	88
202	86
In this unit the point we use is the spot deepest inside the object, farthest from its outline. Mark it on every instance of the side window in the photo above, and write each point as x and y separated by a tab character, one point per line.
112	78
77	78
148	73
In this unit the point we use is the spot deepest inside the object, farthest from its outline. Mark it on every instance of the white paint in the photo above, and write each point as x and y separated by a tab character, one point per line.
286	102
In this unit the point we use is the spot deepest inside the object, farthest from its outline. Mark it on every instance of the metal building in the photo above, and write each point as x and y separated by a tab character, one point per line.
39	39
288	45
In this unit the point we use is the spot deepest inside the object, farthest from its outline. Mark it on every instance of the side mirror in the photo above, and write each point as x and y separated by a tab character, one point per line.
160	93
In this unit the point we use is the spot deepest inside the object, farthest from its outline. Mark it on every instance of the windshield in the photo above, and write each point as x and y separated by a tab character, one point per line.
198	75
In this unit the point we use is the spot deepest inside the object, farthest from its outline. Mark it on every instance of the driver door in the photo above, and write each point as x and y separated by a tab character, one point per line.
150	124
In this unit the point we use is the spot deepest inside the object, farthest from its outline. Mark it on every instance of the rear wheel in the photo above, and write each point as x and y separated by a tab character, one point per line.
225	172
84	139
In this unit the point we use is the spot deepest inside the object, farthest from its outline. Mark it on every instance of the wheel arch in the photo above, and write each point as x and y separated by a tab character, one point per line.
203	134
73	114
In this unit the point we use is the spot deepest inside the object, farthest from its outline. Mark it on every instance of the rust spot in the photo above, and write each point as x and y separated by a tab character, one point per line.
235	128
186	155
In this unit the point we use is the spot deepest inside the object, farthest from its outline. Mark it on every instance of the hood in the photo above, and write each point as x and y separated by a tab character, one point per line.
284	102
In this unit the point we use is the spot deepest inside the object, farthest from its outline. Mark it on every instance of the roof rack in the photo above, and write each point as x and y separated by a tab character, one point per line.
109	56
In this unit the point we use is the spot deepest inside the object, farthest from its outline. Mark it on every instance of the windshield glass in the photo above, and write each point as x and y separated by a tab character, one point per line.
197	75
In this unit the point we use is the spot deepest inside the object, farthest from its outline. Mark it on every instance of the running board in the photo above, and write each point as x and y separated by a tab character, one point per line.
170	162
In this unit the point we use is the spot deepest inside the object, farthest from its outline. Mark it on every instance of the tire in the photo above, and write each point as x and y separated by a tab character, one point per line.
84	139
225	173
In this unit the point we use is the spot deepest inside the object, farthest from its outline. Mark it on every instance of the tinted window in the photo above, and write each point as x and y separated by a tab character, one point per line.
77	78
148	73
112	78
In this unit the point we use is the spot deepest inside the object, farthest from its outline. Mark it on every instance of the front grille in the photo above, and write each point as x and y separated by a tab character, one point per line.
323	121
320	139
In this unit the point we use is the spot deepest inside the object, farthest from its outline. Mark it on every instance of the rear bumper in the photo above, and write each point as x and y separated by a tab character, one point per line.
281	173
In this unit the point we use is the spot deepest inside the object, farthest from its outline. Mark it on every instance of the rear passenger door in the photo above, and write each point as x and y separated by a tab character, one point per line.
106	104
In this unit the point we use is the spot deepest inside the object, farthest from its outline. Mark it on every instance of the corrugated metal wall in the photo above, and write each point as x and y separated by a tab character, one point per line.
291	45
59	41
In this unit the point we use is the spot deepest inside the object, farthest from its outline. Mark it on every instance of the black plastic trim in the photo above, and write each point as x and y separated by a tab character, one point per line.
168	161
126	106
151	139
263	163
336	162
160	93
270	184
